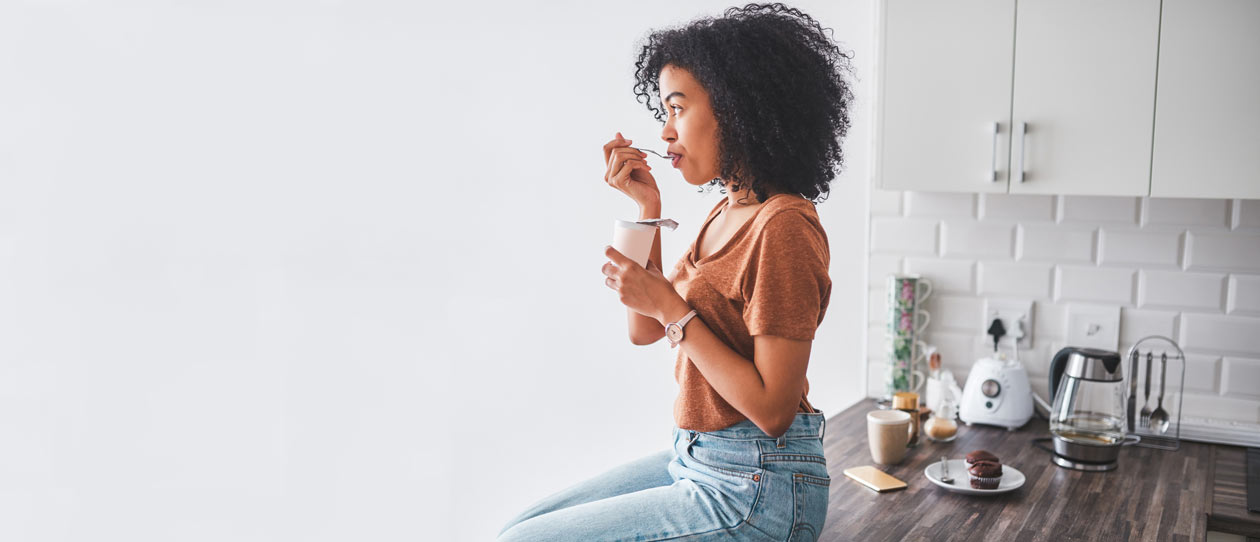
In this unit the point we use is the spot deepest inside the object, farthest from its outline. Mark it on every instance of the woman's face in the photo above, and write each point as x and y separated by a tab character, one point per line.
690	129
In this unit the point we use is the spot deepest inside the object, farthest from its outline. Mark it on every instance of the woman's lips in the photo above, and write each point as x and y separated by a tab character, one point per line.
676	159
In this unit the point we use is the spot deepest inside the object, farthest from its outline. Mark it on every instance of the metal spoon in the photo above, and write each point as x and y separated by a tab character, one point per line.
653	152
945	471
1159	418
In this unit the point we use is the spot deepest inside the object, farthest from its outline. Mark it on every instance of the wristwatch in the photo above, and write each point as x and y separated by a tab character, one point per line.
674	330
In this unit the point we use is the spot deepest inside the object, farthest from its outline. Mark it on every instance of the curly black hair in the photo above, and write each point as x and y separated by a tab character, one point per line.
777	89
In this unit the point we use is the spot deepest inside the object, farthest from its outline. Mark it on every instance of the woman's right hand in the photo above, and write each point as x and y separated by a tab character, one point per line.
628	172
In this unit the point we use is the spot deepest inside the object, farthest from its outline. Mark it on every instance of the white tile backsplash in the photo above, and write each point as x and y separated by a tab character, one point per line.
904	236
1152	249
1234	251
1239	377
947	276
955	313
1098	209
1248	213
883	265
968	238
1095	284
1212	213
1203	373
1217	333
1244	294
940	204
1050	243
1022	208
1049	321
1014	279
1136	324
1179	289
1217	407
1188	269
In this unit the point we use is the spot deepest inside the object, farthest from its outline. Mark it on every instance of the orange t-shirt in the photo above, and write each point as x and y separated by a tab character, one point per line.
769	279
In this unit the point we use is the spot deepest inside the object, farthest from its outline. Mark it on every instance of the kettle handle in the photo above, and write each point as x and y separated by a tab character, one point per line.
1057	368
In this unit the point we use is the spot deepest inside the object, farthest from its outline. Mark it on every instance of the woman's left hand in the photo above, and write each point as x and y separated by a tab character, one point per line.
645	291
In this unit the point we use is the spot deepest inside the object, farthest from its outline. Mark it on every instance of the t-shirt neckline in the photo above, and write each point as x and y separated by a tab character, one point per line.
695	244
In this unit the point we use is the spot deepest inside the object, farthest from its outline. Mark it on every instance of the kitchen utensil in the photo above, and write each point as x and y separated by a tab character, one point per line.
1144	419
1087	418
1131	410
653	152
945	477
1159	418
1012	478
1151	435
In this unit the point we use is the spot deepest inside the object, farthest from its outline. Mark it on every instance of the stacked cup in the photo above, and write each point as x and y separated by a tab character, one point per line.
906	323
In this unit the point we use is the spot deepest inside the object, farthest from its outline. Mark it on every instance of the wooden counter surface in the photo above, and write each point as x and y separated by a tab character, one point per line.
1154	495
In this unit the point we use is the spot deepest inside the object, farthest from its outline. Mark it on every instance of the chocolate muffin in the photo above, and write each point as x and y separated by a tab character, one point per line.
985	474
981	455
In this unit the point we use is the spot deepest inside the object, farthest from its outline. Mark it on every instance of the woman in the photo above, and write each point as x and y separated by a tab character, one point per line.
754	101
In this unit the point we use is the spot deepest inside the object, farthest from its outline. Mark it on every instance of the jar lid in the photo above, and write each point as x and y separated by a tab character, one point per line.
905	400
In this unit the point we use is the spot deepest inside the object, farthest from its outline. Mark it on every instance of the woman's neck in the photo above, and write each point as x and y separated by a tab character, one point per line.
747	197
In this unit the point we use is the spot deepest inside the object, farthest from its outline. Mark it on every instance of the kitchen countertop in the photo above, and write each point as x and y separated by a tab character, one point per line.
1152	494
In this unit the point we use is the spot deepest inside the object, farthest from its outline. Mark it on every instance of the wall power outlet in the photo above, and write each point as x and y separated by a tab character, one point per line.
1016	316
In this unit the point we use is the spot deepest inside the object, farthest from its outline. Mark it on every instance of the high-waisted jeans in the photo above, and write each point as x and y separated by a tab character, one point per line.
736	483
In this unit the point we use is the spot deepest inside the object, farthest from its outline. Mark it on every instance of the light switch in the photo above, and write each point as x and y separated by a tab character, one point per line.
1096	326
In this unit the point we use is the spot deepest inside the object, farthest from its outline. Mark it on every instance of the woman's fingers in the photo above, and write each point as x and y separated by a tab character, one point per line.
615	143
622	177
625	162
619	155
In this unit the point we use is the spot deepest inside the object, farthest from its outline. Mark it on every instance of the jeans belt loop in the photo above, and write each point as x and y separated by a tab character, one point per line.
781	442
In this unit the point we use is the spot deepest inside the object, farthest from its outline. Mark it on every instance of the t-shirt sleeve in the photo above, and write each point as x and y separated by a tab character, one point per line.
786	285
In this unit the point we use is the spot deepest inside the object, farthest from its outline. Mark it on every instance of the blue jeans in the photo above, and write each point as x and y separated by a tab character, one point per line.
735	483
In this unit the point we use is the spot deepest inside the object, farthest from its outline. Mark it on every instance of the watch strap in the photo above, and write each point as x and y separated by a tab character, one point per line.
679	324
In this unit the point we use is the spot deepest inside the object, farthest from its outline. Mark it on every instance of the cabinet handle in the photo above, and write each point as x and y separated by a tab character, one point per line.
993	127
1022	129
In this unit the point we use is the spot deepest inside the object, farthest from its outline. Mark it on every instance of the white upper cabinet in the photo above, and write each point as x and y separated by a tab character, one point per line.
1207	110
1084	96
945	89
1119	98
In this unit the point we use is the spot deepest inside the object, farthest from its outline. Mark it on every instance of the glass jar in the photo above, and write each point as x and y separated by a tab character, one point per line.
908	402
941	426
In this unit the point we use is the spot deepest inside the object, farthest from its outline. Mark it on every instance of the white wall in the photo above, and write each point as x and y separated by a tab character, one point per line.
327	271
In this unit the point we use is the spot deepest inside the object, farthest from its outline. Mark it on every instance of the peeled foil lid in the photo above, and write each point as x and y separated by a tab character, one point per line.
659	222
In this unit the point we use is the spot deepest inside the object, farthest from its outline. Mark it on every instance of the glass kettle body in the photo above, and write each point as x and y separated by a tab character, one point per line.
1087	416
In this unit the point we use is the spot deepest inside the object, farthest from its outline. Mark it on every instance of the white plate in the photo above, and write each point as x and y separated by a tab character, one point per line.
1012	479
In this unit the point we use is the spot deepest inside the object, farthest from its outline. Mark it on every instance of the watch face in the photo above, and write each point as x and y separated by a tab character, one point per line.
675	333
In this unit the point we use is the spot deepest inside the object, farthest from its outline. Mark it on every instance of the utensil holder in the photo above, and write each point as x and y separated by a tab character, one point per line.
1149	437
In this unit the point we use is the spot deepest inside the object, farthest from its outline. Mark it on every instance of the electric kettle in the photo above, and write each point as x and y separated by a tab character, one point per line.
1087	417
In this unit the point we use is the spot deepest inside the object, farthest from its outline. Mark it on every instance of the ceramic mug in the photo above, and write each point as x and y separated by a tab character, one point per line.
888	432
920	328
903	356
